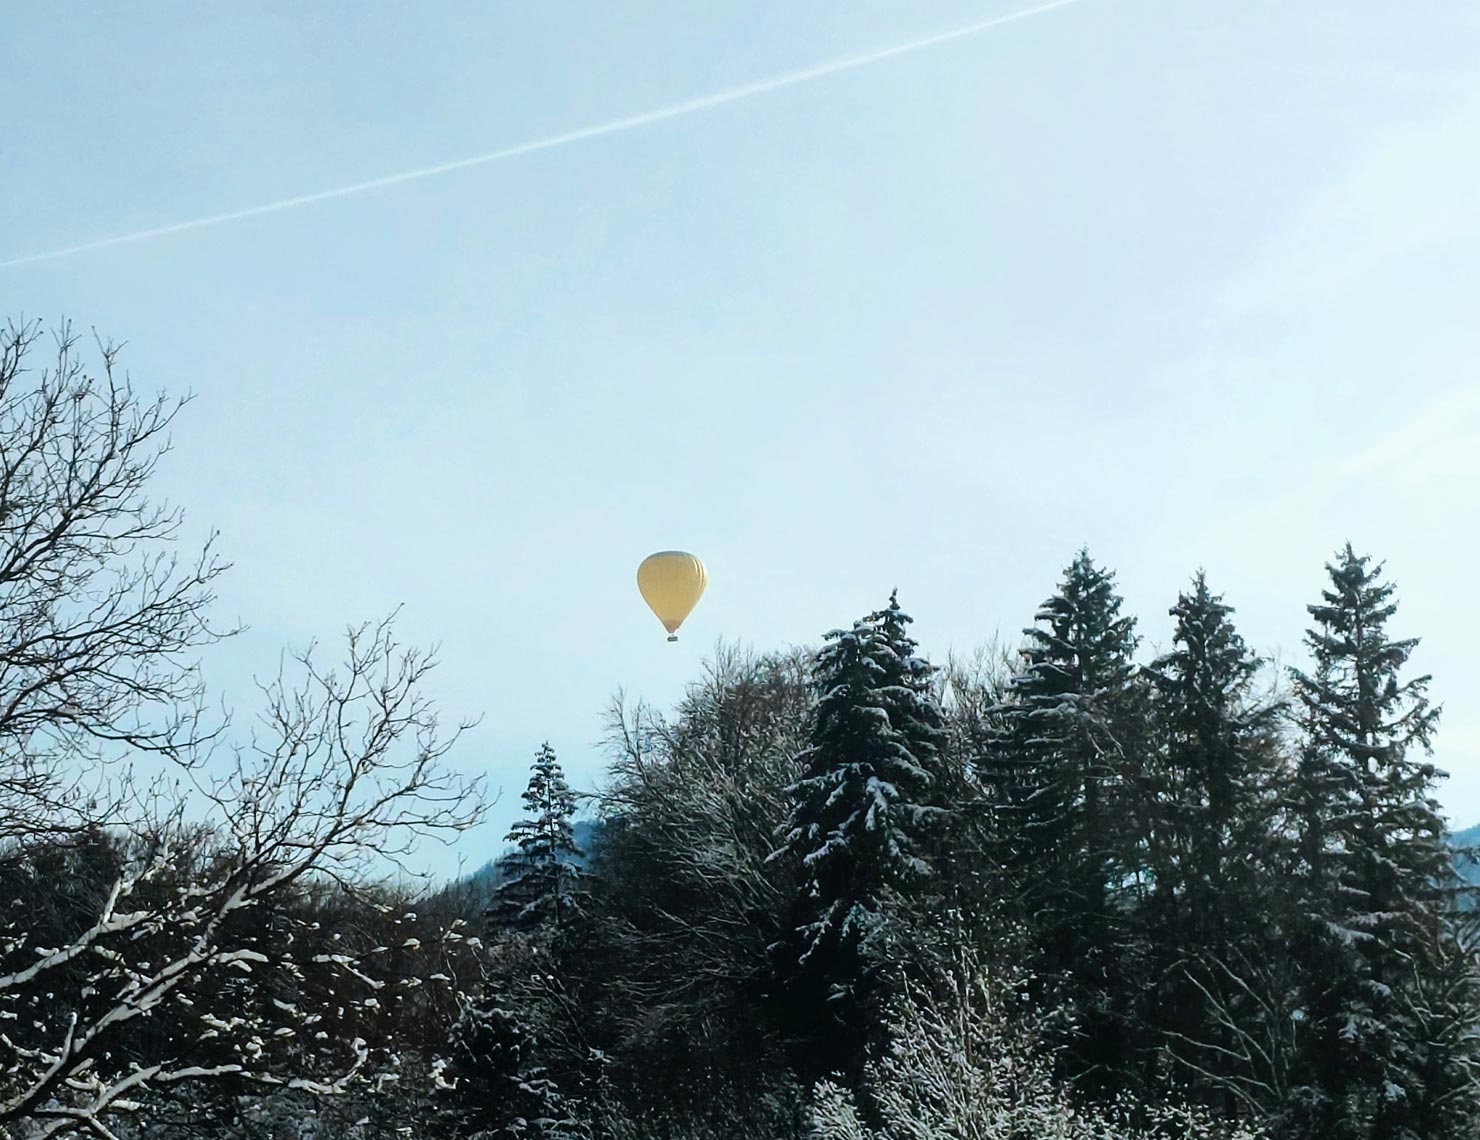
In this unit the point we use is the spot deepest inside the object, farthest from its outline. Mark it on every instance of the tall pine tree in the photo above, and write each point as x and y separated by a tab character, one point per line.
541	878
862	827
1378	884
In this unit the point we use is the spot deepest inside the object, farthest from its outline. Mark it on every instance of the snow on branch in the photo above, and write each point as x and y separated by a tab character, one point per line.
188	954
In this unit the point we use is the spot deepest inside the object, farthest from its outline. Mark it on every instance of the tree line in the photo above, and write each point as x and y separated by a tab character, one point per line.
845	891
838	893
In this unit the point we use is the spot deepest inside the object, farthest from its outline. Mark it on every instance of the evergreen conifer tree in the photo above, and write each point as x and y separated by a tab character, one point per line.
1072	734
1378	884
541	878
500	1085
862	827
1207	809
1217	754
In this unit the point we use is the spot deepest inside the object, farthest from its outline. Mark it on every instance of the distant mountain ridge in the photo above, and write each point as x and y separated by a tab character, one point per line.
1469	869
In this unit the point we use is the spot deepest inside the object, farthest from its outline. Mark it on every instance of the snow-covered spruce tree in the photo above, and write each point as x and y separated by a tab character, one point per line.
1072	736
1216	763
507	1069
1207	808
1375	939
862	825
501	1086
542	878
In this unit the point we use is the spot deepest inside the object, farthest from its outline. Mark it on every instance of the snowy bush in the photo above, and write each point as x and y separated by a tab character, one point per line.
959	1069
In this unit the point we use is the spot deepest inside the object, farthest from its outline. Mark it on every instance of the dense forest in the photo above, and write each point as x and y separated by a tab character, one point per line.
1059	891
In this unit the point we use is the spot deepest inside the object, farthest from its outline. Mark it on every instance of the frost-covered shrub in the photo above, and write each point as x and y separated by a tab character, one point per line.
834	1116
960	1069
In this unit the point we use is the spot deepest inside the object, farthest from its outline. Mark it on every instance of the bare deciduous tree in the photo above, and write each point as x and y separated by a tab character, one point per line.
183	950
99	615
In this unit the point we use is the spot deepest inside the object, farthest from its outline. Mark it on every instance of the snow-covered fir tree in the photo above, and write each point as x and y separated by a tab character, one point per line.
1216	760
1071	735
1058	756
500	1086
1207	809
542	877
1378	885
506	1053
862	824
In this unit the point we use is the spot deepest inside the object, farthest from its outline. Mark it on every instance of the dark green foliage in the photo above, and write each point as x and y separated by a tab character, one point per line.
1205	801
1375	932
499	1064
540	881
1217	758
865	818
1068	730
1072	741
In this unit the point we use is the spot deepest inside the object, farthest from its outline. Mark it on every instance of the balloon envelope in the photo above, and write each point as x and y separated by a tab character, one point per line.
671	582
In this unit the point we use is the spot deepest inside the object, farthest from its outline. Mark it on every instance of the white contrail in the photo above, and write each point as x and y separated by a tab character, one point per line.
611	126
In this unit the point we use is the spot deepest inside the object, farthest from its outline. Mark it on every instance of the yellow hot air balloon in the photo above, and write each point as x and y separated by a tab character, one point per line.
671	581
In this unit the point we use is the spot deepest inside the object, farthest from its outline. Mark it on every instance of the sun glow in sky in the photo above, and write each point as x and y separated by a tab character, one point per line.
1192	283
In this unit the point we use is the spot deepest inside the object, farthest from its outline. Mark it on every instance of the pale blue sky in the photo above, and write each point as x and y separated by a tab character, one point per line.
1193	282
